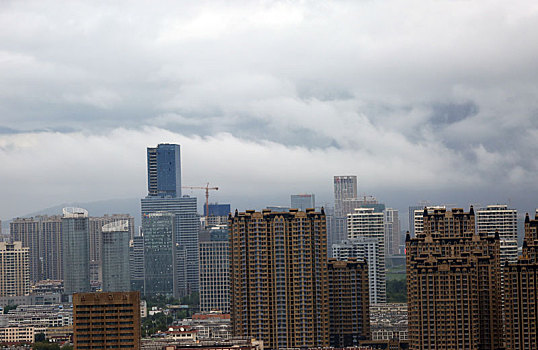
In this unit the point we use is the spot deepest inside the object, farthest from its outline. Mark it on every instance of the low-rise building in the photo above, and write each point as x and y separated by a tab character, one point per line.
17	335
388	321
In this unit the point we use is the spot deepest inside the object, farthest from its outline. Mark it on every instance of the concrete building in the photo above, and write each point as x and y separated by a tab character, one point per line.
349	315
521	293
453	284
159	253
389	321
418	217
42	235
96	224
500	218
214	270
392	232
367	249
14	269
303	201
345	188
17	335
136	263
367	223
115	256
218	214
75	247
39	316
278	275
106	320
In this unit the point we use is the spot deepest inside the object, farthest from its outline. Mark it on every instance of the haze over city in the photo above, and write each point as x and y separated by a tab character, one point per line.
422	101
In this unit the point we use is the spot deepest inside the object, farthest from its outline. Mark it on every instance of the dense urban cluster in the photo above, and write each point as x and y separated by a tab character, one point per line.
297	276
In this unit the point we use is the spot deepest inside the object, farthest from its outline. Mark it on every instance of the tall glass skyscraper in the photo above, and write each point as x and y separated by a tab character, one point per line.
164	170
164	195
159	244
115	256
76	251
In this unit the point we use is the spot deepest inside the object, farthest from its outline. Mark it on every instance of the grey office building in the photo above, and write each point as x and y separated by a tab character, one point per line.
303	201
158	231
186	229
75	247
214	269
136	263
115	256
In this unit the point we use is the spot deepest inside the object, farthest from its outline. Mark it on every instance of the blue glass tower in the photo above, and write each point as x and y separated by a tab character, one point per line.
164	170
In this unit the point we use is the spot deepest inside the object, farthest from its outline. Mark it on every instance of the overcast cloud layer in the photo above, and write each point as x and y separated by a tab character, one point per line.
422	100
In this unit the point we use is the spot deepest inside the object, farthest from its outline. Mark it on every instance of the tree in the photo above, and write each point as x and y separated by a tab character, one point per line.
9	307
40	337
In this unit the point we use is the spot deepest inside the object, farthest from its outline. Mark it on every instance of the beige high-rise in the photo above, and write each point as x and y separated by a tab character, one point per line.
278	276
453	284
14	269
521	293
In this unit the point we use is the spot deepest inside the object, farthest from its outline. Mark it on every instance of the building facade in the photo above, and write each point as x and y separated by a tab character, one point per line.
159	253
367	223
186	230
521	293
75	241
392	232
278	276
345	188
500	218
349	303
303	201
364	248
453	284
115	256
42	235
164	170
96	224
215	270
14	269
136	263
106	320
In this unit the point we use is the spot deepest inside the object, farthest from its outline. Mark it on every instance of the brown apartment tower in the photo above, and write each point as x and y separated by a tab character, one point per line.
349	303
521	293
106	320
453	284
278	276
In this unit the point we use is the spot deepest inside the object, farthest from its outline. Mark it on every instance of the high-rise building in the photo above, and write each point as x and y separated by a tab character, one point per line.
345	188
367	223
411	214
75	248
521	293
303	201
42	236
96	223
109	320
364	248
14	269
218	214
164	195
159	253
164	170
115	256
349	315
278	275
500	218
418	218
214	269
453	284
136	263
392	232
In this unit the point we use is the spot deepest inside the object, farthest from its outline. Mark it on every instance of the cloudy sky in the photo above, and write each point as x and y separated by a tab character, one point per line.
422	100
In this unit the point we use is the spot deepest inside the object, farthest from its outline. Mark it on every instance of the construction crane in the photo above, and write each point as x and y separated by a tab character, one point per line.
206	188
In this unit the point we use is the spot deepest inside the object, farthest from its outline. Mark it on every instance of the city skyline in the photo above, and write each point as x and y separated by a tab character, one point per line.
302	91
